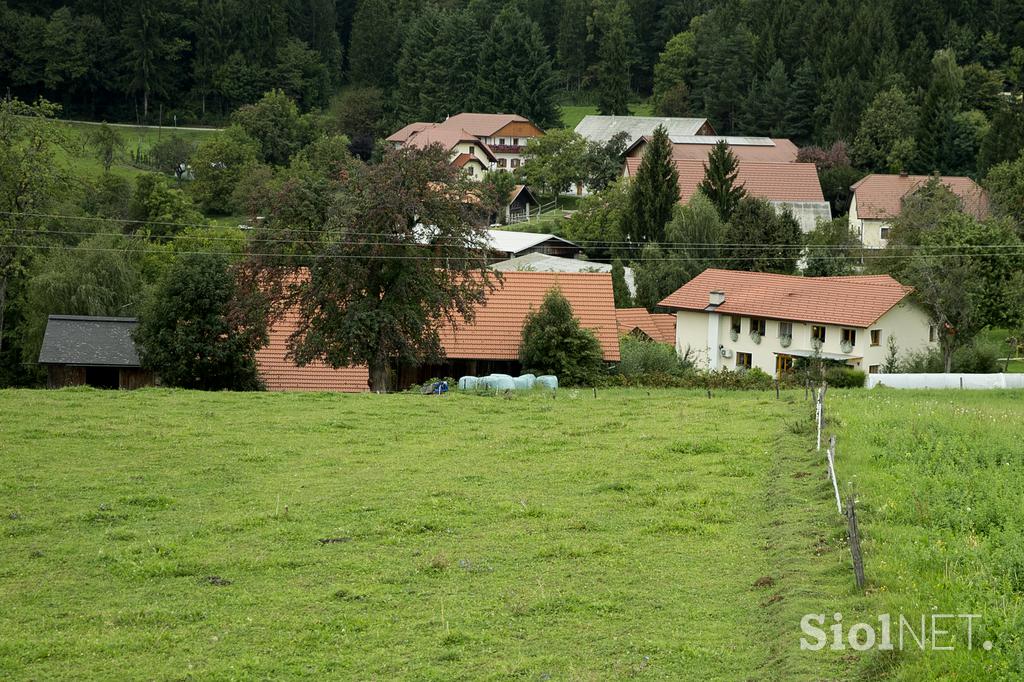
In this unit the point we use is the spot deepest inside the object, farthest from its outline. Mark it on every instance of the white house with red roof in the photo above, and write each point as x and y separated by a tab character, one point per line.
477	142
878	198
733	320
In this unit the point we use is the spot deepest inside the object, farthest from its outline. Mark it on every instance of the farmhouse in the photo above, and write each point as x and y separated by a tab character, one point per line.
734	320
474	140
604	128
878	198
697	147
489	344
542	262
792	186
82	350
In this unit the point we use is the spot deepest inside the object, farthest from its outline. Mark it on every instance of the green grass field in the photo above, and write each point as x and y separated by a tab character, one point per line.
656	534
572	114
84	162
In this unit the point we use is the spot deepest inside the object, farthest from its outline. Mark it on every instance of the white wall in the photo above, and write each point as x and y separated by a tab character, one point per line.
870	231
906	321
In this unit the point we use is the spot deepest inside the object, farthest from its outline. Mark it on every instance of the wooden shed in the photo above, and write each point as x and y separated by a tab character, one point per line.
82	350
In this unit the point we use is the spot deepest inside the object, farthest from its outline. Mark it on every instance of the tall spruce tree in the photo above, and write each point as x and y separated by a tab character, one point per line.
436	74
614	58
375	44
654	192
936	130
515	74
719	183
803	100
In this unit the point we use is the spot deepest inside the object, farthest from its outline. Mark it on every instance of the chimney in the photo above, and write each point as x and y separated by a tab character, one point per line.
716	298
903	173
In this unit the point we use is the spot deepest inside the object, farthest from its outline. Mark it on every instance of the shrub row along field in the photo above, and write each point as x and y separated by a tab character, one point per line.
650	533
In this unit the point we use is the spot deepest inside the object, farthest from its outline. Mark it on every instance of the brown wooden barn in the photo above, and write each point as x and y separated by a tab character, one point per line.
92	351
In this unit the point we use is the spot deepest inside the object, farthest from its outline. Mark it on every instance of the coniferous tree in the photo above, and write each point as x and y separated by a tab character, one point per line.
515	74
375	44
620	290
803	100
938	113
572	43
436	74
614	59
654	192
719	183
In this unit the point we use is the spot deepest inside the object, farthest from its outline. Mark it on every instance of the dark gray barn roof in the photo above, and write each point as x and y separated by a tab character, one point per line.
89	341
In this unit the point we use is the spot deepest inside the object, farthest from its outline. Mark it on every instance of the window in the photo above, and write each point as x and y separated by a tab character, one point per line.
758	326
502	163
818	333
785	329
744	360
515	163
874	369
501	140
517	142
933	333
876	337
734	324
884	233
849	337
469	170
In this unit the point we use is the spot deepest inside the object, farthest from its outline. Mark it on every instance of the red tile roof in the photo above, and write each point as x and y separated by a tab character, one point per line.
771	181
448	138
494	334
462	159
784	151
856	301
659	327
281	374
409	130
880	197
483	125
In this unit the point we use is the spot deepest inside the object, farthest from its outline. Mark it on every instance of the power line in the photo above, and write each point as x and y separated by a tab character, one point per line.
441	258
666	246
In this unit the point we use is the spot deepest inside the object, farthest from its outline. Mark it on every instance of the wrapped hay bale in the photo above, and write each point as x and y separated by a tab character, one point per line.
548	381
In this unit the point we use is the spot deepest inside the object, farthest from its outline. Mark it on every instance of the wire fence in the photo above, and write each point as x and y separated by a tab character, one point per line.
850	511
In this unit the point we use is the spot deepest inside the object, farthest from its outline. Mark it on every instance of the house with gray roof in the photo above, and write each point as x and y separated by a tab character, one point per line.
82	350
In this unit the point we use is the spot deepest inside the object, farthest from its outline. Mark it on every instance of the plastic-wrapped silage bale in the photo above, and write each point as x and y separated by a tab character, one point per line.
468	383
525	382
500	382
549	381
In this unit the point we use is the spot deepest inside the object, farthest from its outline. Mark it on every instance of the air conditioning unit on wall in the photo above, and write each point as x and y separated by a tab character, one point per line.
726	352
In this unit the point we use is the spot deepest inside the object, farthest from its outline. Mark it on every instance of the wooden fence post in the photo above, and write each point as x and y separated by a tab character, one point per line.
854	536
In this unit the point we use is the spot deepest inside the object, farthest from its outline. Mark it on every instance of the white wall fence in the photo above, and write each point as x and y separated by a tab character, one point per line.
972	381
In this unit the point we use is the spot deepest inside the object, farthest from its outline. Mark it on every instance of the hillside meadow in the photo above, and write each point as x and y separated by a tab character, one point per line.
654	534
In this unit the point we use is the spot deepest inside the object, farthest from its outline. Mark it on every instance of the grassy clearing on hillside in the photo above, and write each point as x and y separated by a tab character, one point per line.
165	534
572	114
940	484
138	139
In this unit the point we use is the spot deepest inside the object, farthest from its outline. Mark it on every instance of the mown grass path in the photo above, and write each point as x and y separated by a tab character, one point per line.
166	535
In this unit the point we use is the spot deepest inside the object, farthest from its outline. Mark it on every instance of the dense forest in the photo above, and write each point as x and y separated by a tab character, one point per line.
814	71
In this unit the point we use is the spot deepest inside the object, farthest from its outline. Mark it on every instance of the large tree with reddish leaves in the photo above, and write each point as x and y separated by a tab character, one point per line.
401	255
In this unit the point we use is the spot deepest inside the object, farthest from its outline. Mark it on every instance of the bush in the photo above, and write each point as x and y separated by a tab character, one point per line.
742	380
642	356
187	334
980	357
844	377
555	343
